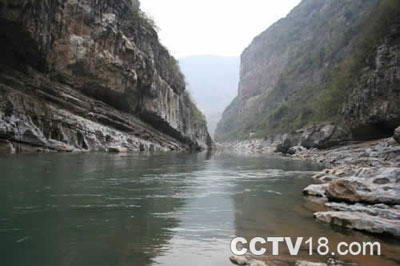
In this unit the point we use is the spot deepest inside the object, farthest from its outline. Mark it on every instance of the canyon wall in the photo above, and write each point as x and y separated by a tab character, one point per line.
330	68
90	75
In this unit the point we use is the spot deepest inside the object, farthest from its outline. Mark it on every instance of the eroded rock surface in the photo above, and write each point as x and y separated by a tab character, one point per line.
89	75
243	260
368	185
309	263
360	221
361	187
317	190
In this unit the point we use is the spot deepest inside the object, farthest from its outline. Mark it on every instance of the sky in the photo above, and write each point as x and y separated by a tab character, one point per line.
213	27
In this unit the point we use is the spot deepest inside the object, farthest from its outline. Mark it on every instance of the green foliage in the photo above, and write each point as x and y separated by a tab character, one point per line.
323	104
227	129
198	116
175	67
345	75
336	91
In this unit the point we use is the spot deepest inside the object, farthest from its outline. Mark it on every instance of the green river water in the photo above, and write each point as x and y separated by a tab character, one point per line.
161	209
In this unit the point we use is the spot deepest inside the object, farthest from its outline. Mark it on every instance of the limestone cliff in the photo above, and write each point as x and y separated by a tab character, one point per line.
89	75
333	63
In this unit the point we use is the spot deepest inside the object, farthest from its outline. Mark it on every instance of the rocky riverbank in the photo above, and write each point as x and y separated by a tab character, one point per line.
250	261
360	186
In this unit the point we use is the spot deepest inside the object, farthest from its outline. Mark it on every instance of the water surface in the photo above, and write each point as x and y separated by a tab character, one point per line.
167	209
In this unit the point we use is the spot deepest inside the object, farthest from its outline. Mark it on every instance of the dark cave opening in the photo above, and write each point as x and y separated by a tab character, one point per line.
376	130
18	49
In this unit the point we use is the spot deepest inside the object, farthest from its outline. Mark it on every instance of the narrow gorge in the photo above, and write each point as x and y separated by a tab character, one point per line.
106	157
90	75
323	85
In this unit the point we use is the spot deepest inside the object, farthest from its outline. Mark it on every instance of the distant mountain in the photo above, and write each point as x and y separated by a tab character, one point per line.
212	81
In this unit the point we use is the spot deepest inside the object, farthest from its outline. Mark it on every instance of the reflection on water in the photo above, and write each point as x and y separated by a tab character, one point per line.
170	209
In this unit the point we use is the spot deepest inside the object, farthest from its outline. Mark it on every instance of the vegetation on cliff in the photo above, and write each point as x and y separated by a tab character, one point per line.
306	68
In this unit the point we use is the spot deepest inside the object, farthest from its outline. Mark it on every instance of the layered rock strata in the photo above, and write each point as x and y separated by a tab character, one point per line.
90	75
361	187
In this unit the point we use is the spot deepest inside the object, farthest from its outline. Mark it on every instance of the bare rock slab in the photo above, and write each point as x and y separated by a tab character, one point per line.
369	185
318	190
360	221
309	263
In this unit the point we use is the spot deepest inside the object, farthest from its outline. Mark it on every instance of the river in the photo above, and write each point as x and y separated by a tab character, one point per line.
162	209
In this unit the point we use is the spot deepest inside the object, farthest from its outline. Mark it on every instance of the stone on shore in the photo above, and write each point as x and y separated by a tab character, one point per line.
396	135
368	185
361	186
239	260
309	263
257	263
360	221
6	147
318	190
378	210
296	149
242	260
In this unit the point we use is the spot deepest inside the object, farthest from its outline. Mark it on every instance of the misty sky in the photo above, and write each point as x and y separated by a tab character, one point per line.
218	27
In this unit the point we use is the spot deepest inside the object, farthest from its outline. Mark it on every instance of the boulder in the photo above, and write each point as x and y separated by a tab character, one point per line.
296	149
239	260
287	143
318	190
6	147
313	137
318	136
396	135
242	260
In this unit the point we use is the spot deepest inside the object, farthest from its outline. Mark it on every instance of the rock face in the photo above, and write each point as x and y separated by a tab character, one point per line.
334	63
90	75
318	136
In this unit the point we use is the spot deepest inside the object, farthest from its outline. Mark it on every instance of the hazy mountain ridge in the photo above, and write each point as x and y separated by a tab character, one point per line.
212	81
326	62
